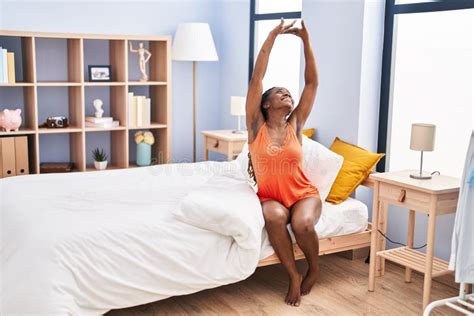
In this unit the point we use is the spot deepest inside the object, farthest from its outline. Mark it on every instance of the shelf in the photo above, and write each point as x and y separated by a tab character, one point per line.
53	80
104	84
58	84
147	83
134	165
22	131
152	126
104	129
17	84
70	129
414	260
109	167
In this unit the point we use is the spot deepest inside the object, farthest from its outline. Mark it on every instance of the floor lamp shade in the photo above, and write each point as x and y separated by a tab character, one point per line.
193	42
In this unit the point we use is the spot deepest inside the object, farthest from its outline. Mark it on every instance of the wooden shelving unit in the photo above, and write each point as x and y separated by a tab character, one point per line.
36	82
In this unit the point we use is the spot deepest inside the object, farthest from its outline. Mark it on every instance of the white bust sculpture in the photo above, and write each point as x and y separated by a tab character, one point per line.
97	103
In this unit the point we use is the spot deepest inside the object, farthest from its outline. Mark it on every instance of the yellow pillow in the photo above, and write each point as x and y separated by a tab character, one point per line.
309	132
357	165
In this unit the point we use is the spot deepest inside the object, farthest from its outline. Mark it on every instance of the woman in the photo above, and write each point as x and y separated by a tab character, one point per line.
275	152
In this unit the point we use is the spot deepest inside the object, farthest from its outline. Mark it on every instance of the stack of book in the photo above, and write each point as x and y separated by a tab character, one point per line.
139	110
104	122
7	66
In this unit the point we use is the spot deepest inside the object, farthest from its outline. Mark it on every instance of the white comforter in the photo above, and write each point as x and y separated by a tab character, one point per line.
85	243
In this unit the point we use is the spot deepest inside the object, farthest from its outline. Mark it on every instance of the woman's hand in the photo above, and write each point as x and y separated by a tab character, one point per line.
282	28
301	32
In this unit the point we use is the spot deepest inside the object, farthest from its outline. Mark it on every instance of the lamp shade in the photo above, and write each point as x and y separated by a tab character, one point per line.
193	42
422	137
237	106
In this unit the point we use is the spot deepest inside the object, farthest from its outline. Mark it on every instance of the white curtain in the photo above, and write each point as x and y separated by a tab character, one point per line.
462	244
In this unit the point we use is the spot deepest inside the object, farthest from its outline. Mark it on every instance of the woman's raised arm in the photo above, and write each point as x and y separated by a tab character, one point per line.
311	81
254	116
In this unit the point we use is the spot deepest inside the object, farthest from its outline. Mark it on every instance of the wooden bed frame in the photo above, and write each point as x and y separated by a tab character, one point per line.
332	244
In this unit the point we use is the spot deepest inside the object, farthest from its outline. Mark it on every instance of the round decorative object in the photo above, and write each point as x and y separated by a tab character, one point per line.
143	154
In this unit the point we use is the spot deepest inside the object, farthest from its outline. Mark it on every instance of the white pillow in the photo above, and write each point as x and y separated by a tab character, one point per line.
320	165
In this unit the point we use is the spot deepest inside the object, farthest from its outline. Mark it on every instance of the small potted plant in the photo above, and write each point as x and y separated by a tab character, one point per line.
100	159
144	140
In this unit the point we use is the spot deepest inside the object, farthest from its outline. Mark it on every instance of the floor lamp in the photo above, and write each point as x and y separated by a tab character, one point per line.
193	42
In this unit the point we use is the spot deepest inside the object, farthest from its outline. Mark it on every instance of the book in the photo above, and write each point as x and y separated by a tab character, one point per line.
11	67
144	111
104	124
130	110
147	111
94	119
1	65
5	66
139	111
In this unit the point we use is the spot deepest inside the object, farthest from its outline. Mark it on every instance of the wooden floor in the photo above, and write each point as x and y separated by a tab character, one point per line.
342	290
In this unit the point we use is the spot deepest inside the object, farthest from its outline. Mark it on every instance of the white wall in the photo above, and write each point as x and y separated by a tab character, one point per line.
336	34
234	56
371	71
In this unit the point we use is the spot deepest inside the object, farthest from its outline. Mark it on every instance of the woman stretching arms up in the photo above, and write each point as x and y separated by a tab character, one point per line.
275	162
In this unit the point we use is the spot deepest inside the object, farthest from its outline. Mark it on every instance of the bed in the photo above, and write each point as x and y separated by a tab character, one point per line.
85	243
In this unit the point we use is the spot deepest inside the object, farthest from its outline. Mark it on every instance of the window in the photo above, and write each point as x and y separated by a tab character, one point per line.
285	60
427	77
272	6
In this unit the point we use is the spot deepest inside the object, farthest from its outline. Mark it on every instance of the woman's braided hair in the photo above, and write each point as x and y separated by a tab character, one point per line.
250	169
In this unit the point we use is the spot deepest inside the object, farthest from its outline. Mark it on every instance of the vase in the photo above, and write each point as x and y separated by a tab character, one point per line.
100	165
143	154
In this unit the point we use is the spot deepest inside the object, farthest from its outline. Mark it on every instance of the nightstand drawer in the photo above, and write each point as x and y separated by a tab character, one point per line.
404	197
217	145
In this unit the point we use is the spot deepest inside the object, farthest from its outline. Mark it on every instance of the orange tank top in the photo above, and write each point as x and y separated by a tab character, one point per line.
279	169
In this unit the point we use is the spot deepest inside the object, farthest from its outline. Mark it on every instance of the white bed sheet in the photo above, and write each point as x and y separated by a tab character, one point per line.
348	217
85	243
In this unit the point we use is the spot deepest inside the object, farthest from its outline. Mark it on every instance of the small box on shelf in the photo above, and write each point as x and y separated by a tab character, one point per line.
64	147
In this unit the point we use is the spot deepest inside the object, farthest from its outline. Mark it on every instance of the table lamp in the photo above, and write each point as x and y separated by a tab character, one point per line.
193	42
422	139
237	108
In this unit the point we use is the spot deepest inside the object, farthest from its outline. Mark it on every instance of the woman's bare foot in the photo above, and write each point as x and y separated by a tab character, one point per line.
309	281
293	297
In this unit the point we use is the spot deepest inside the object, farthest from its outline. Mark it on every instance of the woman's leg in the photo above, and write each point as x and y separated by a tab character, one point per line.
276	218
304	215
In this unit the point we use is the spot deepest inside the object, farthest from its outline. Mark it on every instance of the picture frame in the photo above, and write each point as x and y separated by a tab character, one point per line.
100	73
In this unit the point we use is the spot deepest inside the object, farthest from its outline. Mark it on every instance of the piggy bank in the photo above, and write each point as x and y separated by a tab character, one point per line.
10	119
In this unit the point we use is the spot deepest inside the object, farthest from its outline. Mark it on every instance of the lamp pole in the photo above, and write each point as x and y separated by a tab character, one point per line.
194	111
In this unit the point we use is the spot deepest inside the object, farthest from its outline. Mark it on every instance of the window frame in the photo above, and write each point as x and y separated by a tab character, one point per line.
391	10
254	17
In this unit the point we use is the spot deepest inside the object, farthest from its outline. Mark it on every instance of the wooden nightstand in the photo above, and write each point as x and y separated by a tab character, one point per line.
434	197
224	142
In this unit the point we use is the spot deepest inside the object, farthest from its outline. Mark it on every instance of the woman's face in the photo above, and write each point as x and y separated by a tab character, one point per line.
280	98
